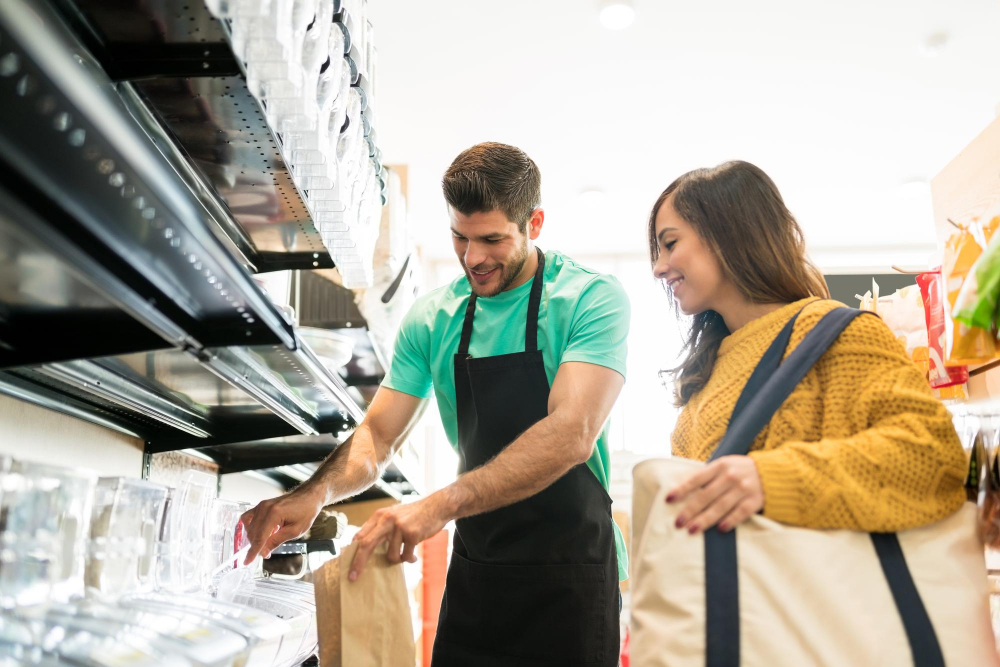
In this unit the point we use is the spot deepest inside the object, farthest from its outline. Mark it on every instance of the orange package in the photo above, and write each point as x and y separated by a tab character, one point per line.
965	345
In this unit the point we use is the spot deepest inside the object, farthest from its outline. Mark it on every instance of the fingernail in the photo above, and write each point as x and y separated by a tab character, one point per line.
680	522
693	529
353	576
723	527
670	498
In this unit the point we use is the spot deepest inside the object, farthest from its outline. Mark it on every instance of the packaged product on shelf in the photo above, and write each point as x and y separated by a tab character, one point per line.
940	374
127	516
903	313
965	345
976	305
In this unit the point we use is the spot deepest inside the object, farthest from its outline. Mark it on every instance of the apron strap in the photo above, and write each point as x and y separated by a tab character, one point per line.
470	313
534	302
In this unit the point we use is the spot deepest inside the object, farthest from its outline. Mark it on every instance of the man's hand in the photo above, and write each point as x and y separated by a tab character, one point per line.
725	492
276	521
404	526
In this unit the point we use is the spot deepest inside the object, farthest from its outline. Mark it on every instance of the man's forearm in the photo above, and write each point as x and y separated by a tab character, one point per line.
533	462
349	470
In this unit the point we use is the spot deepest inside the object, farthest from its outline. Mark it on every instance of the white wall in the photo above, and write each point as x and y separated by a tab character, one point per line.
31	433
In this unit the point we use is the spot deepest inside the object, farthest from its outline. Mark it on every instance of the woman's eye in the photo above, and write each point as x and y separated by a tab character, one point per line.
669	245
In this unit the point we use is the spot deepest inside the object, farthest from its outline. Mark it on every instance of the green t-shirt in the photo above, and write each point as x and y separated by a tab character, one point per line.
583	316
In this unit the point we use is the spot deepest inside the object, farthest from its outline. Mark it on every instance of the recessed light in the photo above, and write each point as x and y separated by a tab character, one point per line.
617	14
935	44
592	197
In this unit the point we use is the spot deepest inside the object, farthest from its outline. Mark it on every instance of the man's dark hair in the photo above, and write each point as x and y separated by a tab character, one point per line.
490	177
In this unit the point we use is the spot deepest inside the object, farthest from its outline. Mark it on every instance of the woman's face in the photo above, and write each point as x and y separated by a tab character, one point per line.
686	264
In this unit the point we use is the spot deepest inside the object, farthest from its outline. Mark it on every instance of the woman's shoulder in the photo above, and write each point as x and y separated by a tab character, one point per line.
866	329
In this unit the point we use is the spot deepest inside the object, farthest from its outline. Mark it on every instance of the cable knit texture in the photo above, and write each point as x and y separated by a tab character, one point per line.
860	444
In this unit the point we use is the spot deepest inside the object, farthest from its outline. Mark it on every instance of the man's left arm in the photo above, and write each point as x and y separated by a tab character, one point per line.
580	401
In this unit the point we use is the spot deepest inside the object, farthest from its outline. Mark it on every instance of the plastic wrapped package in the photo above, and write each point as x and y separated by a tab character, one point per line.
266	630
196	640
293	602
263	639
227	536
965	345
976	305
940	374
126	520
37	636
903	312
184	545
44	521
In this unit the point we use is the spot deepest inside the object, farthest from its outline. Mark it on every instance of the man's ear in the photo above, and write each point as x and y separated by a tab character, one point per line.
535	223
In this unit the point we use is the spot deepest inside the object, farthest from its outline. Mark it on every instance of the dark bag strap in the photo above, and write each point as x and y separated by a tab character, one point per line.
769	386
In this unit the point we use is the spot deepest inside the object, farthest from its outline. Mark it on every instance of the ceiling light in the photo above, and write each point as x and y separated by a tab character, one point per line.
617	14
592	197
935	44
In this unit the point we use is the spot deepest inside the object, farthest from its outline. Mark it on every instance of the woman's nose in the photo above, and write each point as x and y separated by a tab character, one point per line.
661	268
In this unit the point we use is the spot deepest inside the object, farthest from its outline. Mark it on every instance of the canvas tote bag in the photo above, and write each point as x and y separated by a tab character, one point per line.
769	595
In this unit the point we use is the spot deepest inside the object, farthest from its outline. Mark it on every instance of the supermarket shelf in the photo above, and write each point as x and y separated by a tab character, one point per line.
187	90
75	157
240	404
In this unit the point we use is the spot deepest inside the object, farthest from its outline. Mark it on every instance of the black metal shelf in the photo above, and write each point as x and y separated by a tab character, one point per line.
71	153
125	296
187	90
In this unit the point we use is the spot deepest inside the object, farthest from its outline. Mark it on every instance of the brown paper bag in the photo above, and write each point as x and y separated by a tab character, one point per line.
364	623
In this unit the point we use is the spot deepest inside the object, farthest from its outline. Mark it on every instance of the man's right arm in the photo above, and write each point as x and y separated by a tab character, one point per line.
350	469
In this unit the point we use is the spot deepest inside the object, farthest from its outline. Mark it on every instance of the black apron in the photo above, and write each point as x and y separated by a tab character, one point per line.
535	583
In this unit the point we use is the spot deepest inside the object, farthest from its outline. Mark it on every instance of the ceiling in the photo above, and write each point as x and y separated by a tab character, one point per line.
838	102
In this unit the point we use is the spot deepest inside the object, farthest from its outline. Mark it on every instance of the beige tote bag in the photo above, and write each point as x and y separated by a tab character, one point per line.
771	595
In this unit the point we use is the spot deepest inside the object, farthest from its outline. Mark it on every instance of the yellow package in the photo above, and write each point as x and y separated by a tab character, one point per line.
966	346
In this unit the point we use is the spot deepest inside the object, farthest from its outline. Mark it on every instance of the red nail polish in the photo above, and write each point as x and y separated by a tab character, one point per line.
723	528
693	529
670	498
680	522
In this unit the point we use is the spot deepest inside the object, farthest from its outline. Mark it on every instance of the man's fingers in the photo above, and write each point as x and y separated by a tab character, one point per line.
365	548
247	517
408	554
395	545
257	533
693	483
279	537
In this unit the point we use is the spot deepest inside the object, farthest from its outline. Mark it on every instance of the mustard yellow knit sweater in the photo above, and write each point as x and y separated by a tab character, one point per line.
861	443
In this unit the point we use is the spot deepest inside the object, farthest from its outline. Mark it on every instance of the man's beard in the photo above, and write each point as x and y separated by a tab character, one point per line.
508	272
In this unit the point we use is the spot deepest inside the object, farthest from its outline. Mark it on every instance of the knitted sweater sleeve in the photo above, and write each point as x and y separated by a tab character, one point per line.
896	462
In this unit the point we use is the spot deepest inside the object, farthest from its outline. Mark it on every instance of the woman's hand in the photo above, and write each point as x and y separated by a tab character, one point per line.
725	492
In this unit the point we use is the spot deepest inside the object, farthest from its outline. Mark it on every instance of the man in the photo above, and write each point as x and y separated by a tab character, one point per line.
525	354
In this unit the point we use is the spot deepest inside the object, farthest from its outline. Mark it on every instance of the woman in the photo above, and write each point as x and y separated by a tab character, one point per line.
860	444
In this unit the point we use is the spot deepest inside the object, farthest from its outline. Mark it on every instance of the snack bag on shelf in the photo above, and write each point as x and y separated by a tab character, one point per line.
939	374
965	345
976	305
903	312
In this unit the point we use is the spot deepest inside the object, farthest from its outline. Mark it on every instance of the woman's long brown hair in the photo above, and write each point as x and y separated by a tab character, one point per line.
737	211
